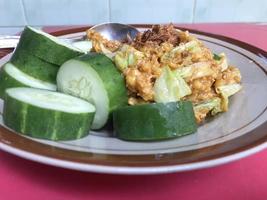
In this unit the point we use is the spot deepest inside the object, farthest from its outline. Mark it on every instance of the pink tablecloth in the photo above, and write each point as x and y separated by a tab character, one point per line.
244	179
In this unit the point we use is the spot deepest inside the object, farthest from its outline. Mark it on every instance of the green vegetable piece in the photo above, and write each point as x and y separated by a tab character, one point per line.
95	78
216	57
127	56
221	60
46	47
34	66
120	61
226	91
47	114
213	105
11	76
196	70
107	52
155	121
191	46
170	87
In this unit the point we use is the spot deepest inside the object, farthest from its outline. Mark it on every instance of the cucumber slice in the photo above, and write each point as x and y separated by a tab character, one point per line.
94	77
46	114
154	121
84	46
46	46
34	66
11	76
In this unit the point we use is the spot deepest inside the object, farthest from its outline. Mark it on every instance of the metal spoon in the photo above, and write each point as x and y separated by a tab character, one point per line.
111	31
116	31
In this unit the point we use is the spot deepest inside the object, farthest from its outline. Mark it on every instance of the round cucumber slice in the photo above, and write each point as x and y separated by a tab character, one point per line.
11	76
94	77
154	121
47	114
34	66
46	46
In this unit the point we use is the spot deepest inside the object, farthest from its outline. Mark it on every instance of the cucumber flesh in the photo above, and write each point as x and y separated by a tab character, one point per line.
47	114
26	79
45	46
11	76
77	79
94	77
154	121
51	100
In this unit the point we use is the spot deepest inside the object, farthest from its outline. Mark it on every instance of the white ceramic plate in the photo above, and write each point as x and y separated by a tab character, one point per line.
227	137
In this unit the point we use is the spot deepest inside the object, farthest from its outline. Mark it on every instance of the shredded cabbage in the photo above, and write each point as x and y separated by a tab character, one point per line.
216	57
226	91
170	87
196	70
212	105
127	56
107	52
221	60
189	46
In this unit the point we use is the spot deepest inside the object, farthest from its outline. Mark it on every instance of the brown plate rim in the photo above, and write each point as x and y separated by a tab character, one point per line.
235	146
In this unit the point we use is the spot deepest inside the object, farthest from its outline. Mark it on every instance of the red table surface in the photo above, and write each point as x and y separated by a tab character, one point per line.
243	179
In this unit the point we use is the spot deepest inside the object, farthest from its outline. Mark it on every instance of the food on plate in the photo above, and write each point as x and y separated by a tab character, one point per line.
34	66
47	114
46	47
11	76
94	77
36	60
154	121
155	86
166	64
83	45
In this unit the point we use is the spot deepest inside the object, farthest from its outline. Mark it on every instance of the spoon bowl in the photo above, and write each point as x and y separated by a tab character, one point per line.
111	31
116	31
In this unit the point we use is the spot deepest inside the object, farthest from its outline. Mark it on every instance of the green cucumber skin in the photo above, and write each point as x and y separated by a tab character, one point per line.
34	66
155	121
114	85
45	48
102	71
31	121
6	81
